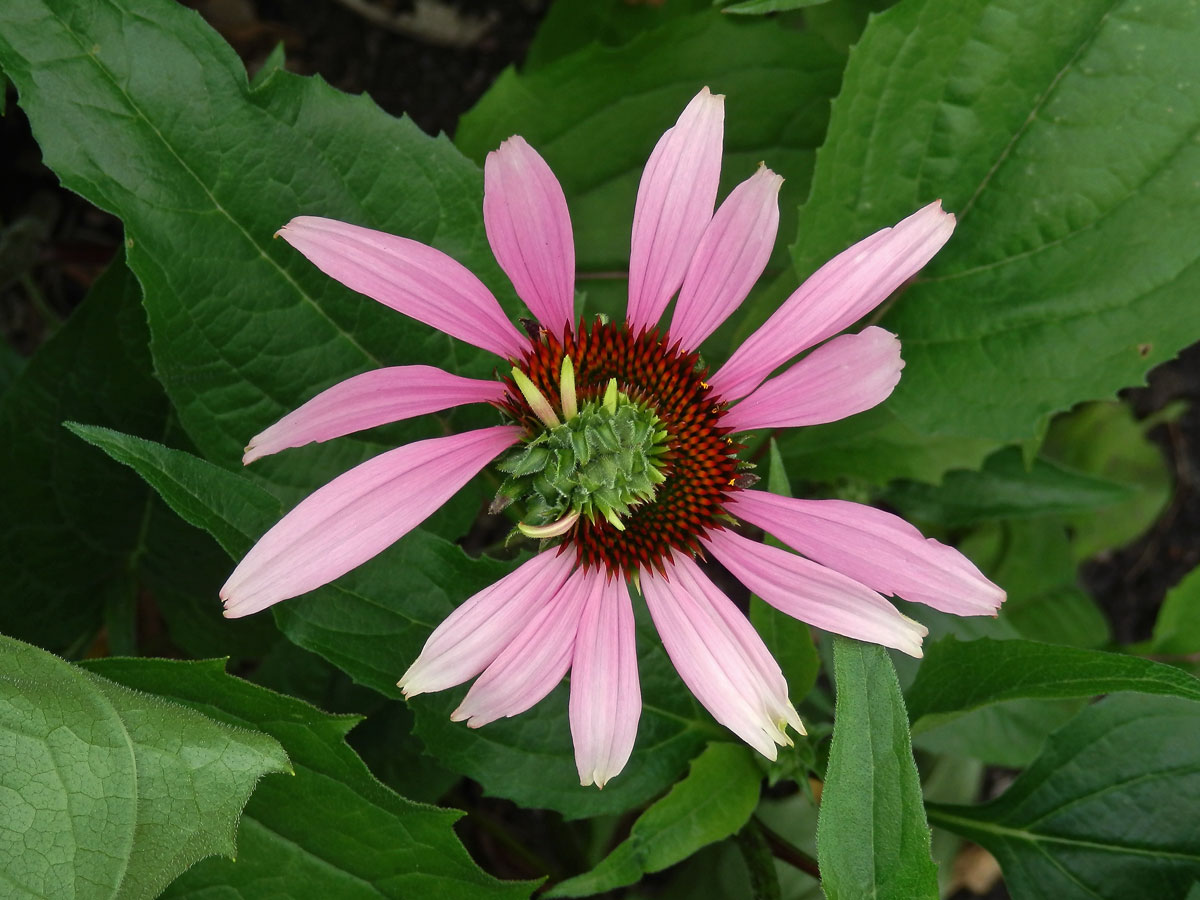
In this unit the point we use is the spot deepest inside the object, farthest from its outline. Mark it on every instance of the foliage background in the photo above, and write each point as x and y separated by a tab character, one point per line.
1065	137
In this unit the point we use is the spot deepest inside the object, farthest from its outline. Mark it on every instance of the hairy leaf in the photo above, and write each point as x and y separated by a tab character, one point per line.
872	839
109	792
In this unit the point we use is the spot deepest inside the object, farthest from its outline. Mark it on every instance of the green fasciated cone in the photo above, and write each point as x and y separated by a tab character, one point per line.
600	463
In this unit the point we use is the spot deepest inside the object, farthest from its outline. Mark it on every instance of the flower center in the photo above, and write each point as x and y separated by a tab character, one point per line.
639	464
600	463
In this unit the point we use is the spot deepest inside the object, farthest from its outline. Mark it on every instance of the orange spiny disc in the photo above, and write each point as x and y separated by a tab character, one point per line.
701	460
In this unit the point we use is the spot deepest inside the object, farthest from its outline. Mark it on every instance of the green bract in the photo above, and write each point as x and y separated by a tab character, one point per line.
602	462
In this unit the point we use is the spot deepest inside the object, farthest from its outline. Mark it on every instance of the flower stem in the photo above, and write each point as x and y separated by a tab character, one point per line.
783	849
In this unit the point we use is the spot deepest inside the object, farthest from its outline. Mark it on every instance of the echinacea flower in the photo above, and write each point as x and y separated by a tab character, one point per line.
620	451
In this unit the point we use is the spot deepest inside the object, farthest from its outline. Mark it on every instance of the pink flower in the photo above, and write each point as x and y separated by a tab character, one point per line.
620	451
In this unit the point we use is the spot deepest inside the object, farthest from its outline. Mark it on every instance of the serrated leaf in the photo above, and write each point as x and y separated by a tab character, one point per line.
872	838
110	792
373	621
1105	813
713	801
1056	132
332	830
244	329
956	676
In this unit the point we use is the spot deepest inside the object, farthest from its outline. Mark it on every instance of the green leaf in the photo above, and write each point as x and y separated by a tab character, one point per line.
11	365
79	520
569	27
91	538
714	800
1055	132
1004	488
109	792
1177	628
529	758
1034	560
373	621
876	446
789	640
957	676
762	7
778	83
872	838
148	114
1105	440
331	831
1107	811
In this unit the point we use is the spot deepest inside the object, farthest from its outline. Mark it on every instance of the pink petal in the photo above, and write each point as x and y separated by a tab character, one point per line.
838	294
732	255
529	228
814	594
357	515
674	205
410	277
373	398
876	548
474	634
606	699
536	660
845	376
719	655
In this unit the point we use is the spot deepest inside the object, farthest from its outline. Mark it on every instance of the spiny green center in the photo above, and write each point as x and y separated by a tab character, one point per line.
602	460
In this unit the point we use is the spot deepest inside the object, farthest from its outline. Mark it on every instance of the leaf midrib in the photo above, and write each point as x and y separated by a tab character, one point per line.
216	204
967	824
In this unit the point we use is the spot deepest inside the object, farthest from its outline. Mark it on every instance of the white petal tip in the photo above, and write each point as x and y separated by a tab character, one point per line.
597	778
509	143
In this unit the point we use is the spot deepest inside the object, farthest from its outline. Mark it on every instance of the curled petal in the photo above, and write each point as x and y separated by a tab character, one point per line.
674	205
812	593
477	632
528	225
876	548
849	374
606	699
536	659
719	655
838	294
732	255
370	399
357	515
410	277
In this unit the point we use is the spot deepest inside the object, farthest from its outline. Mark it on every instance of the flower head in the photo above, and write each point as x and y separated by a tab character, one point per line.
619	451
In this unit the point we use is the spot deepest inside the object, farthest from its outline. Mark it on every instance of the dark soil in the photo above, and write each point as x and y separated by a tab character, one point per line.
1129	583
